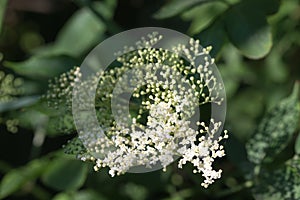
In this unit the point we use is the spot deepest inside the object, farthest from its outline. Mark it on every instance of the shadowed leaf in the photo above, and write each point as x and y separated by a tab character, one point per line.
65	174
248	30
175	7
275	130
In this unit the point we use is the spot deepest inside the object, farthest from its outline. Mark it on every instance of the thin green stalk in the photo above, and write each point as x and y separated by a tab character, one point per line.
247	184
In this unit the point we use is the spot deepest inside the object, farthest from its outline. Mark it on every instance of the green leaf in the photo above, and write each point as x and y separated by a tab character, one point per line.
275	130
202	15
55	121
248	30
18	103
233	72
276	69
286	7
81	195
41	67
79	34
242	114
213	35
136	192
11	183
65	174
31	118
297	145
281	184
269	7
2	12
17	178
175	7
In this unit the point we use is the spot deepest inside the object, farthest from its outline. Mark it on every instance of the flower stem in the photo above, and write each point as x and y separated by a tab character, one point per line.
247	184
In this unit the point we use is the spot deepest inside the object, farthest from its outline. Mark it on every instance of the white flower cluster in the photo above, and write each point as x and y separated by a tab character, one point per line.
156	143
61	88
165	137
156	124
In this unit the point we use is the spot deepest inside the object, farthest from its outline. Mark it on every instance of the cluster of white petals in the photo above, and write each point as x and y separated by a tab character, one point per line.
167	89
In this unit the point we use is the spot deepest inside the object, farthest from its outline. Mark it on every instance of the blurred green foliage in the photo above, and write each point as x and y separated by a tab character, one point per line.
256	44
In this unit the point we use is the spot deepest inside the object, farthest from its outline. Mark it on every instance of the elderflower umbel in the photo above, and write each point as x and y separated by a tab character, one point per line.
167	88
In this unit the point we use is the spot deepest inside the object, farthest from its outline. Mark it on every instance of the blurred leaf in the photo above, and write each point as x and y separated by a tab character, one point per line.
65	174
83	30
248	30
42	68
135	191
275	130
297	145
63	196
175	7
281	184
276	69
104	7
34	120
268	7
236	153
31	117
213	35
31	87
81	195
285	9
111	4
2	12
203	15
16	178
18	103
11	183
234	71
272	97
55	121
243	109
87	195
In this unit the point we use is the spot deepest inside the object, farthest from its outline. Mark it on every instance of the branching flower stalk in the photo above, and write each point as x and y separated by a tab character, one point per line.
167	88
